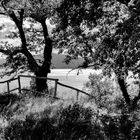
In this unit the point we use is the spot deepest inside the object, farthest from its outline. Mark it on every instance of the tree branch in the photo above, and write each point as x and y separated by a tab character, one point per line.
3	5
10	53
15	52
123	88
6	52
48	47
2	13
136	99
21	13
19	21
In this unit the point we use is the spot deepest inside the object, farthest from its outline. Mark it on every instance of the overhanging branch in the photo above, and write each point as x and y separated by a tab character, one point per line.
18	20
3	5
15	52
1	13
6	52
10	53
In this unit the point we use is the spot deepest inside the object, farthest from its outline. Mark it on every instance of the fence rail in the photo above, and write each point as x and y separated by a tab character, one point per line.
19	88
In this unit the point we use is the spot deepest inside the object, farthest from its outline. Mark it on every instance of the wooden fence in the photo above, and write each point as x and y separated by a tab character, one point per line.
19	88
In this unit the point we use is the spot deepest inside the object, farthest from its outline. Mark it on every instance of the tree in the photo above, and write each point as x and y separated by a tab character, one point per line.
119	51
39	11
113	46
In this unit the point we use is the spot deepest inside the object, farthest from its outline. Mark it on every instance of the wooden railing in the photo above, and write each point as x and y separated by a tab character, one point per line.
8	85
19	88
78	91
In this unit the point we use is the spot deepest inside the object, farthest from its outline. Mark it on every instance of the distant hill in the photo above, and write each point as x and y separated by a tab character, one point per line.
2	61
57	61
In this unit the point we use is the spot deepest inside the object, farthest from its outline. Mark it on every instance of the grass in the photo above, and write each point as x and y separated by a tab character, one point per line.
45	111
66	119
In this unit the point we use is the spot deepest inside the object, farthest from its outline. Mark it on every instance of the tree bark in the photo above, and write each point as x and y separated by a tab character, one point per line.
123	88
45	68
41	84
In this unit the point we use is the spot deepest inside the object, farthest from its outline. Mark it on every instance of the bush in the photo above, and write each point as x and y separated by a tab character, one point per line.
73	122
118	127
9	102
102	90
65	121
31	128
19	129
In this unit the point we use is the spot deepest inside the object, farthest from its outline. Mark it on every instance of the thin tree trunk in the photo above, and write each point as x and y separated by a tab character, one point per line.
136	100
123	88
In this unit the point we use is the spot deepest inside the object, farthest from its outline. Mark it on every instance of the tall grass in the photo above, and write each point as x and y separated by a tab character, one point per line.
44	118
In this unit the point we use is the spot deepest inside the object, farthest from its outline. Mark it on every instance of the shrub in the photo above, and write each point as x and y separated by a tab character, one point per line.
73	122
43	130
102	90
7	104
19	129
120	104
118	127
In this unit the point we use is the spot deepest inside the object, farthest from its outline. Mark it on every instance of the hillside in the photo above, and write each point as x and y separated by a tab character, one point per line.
57	61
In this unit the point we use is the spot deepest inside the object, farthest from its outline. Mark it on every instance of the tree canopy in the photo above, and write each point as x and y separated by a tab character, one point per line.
108	40
104	32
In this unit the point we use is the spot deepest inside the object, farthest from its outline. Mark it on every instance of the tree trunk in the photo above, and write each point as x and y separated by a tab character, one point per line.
123	88
39	71
41	84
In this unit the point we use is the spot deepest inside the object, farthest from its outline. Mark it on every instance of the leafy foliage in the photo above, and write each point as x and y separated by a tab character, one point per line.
73	13
102	89
75	123
36	118
111	43
119	128
72	122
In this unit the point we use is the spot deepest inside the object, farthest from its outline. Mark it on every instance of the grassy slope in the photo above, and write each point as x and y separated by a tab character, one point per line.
58	62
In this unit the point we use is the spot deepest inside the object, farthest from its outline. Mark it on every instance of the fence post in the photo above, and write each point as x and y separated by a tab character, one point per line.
77	95
19	84
55	88
8	87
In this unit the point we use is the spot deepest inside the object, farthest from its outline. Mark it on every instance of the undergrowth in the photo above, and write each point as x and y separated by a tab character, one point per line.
43	118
